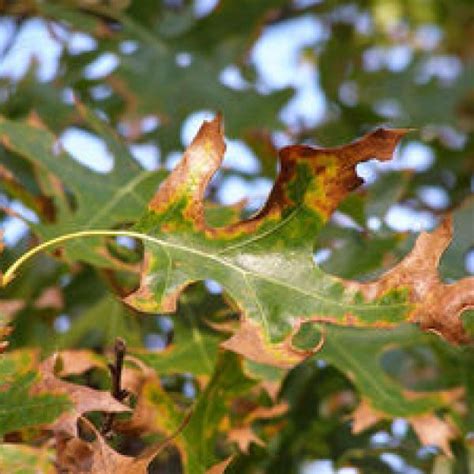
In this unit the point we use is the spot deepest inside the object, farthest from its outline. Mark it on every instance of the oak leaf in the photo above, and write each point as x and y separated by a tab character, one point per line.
97	457
265	263
84	399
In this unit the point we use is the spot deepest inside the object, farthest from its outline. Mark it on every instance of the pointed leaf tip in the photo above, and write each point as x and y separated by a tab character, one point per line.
188	181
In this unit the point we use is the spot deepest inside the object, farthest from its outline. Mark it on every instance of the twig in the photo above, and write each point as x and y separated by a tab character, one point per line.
118	393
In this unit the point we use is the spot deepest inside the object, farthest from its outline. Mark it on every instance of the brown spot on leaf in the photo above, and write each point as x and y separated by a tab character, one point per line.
244	437
192	174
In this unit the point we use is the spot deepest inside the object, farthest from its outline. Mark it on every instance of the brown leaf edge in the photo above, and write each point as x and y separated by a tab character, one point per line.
84	399
97	457
437	306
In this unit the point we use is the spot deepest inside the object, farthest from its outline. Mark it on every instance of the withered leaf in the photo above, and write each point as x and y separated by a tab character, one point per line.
80	457
84	399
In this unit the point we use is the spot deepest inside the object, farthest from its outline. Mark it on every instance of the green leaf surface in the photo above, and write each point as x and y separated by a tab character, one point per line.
359	354
101	200
16	380
194	346
21	459
198	439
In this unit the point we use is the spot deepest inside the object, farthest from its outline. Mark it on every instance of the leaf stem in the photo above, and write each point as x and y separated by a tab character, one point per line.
9	275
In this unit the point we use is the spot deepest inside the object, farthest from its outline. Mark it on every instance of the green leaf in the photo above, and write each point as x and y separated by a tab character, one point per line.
359	354
197	441
101	323
265	263
21	459
109	200
194	346
17	378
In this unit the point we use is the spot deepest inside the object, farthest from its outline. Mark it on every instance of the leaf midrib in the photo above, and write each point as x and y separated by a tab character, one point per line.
245	272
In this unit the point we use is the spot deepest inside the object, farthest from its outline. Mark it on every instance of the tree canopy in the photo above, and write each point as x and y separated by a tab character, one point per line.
238	236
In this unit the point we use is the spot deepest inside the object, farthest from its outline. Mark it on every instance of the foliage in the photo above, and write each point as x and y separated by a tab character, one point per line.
246	351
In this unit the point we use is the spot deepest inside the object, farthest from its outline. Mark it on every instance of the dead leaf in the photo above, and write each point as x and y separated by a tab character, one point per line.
437	306
78	361
84	399
220	468
97	457
434	431
51	297
430	429
243	434
244	437
9	308
364	416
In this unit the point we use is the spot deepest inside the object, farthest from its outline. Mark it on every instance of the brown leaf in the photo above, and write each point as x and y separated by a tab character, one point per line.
76	362
220	468
437	306
77	456
51	297
9	308
431	430
244	437
85	399
364	416
434	431
265	413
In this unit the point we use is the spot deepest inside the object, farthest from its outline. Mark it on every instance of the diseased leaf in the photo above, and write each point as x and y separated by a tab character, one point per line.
435	432
77	456
281	71
244	436
435	305
265	263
